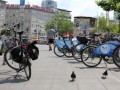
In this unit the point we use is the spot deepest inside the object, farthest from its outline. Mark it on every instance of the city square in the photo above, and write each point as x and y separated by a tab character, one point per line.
50	72
59	45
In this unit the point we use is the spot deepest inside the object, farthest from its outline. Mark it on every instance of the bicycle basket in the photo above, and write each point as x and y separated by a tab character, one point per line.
82	40
15	54
33	52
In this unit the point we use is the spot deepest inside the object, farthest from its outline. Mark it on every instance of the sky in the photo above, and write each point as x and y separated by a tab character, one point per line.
78	7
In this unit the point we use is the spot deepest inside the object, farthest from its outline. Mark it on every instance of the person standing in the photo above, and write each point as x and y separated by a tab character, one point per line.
3	38
51	37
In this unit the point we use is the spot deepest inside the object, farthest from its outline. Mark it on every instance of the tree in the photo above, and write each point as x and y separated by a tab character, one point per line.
113	27
6	32
109	5
62	22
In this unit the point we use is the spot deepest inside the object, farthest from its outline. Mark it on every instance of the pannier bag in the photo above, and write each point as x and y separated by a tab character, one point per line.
82	40
33	52
15	53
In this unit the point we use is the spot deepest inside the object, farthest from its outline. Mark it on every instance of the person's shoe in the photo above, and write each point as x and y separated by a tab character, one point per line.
50	49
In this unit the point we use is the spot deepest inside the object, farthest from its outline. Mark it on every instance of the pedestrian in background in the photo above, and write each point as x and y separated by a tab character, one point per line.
51	37
3	38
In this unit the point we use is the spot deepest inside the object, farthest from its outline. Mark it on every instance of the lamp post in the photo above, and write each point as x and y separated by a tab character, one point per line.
107	19
55	27
22	3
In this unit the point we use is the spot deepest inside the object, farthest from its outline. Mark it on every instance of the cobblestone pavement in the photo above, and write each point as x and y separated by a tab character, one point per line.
50	72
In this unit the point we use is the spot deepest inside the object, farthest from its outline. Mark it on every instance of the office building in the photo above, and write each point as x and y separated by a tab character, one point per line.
84	25
34	18
49	4
2	14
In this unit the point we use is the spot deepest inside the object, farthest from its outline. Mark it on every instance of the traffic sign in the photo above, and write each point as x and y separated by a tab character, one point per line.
22	2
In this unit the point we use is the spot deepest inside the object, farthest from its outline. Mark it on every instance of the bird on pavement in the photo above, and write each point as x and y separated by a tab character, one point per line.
73	76
105	74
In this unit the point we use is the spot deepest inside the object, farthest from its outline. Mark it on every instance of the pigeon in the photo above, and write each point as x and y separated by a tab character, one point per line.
105	74
73	76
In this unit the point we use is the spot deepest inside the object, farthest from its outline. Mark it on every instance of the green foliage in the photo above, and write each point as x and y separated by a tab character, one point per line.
63	23
113	27
109	5
5	32
105	4
118	7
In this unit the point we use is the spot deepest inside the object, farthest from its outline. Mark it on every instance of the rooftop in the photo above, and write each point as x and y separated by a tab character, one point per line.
12	6
84	17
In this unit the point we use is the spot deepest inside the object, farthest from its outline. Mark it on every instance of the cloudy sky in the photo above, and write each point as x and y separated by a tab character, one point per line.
78	7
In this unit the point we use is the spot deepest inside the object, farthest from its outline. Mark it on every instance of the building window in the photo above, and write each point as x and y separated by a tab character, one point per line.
7	10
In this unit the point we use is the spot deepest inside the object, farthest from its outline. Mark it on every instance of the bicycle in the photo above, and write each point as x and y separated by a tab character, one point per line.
93	55
116	56
19	57
65	47
69	47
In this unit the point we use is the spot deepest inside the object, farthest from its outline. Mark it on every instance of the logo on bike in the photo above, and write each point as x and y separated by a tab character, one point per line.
105	49
61	44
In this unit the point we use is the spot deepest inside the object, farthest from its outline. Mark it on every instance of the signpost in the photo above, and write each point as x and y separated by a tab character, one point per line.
22	3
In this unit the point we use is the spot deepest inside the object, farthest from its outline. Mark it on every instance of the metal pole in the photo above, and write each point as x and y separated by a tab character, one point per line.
21	17
107	19
22	3
119	26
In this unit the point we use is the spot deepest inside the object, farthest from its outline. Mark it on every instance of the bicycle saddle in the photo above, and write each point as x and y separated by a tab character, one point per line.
20	32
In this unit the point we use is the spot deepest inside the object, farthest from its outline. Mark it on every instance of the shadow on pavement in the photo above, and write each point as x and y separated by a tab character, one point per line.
110	69
68	59
74	62
11	80
114	69
90	67
8	78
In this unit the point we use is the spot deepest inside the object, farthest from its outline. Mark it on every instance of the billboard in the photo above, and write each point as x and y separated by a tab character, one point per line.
84	27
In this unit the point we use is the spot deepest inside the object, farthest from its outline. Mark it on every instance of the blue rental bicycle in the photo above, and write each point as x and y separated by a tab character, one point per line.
64	47
93	55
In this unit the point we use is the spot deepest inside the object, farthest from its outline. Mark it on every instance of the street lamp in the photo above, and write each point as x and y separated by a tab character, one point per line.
55	27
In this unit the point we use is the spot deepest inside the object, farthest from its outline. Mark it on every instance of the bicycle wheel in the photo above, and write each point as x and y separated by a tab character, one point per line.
67	53
27	70
11	63
58	51
77	52
88	58
116	56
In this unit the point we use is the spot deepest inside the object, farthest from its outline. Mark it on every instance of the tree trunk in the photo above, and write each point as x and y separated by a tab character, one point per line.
119	26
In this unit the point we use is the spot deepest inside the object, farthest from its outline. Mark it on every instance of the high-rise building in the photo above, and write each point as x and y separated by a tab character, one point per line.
49	4
2	13
35	18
